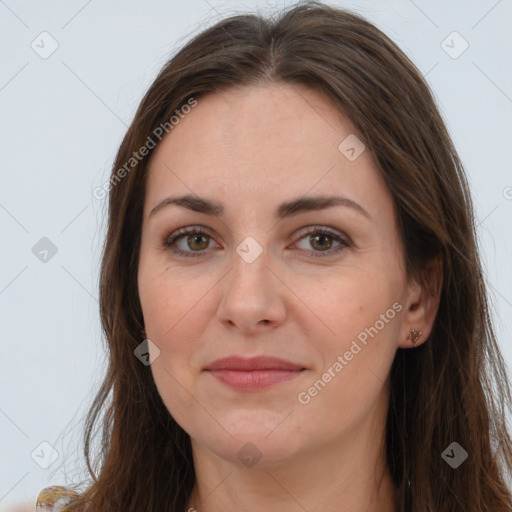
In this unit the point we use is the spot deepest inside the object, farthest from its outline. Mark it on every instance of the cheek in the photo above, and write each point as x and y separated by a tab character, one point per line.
176	311
354	362
171	313
171	300
173	321
176	334
345	302
354	333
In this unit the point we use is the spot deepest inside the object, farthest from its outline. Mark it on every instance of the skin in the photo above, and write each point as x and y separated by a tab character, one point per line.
252	148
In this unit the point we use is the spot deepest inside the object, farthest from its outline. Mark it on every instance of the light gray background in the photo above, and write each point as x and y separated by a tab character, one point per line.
62	120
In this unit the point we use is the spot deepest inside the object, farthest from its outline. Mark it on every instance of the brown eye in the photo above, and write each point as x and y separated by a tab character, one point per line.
189	242
321	241
197	241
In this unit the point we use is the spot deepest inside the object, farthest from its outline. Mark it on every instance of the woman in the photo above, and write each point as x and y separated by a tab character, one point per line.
291	289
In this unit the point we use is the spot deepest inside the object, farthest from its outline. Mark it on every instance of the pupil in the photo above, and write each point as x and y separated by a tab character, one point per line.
197	239
322	237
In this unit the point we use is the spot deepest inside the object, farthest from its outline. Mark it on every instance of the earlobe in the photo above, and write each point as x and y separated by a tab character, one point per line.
422	307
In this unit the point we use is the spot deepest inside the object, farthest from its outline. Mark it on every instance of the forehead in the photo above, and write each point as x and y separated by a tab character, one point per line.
262	144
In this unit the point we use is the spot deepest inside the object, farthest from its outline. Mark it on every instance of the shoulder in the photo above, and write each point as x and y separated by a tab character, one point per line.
54	499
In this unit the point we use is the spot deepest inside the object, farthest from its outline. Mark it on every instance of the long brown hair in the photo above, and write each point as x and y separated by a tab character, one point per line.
452	388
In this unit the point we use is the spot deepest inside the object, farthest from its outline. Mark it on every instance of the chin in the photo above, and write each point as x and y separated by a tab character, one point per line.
255	452
254	442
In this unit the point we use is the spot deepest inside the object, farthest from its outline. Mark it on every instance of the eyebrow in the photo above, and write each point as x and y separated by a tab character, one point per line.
287	209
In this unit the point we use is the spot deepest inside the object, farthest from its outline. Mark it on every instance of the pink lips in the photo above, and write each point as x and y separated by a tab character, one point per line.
254	373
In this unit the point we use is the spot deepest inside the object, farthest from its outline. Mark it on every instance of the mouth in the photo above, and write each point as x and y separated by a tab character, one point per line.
254	380
254	373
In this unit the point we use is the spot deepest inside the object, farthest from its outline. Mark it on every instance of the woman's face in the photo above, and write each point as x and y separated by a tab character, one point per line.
323	288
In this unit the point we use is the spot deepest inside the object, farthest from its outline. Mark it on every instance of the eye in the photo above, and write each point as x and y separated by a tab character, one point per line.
322	238
198	239
193	237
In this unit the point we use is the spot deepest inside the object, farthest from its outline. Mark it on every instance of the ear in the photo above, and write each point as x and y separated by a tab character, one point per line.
421	305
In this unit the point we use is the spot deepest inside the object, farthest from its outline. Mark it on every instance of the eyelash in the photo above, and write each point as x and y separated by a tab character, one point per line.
171	240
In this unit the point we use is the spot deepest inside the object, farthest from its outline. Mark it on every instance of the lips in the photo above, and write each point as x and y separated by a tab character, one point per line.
237	363
253	374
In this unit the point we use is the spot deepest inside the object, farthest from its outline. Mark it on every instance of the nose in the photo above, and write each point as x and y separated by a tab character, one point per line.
253	296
